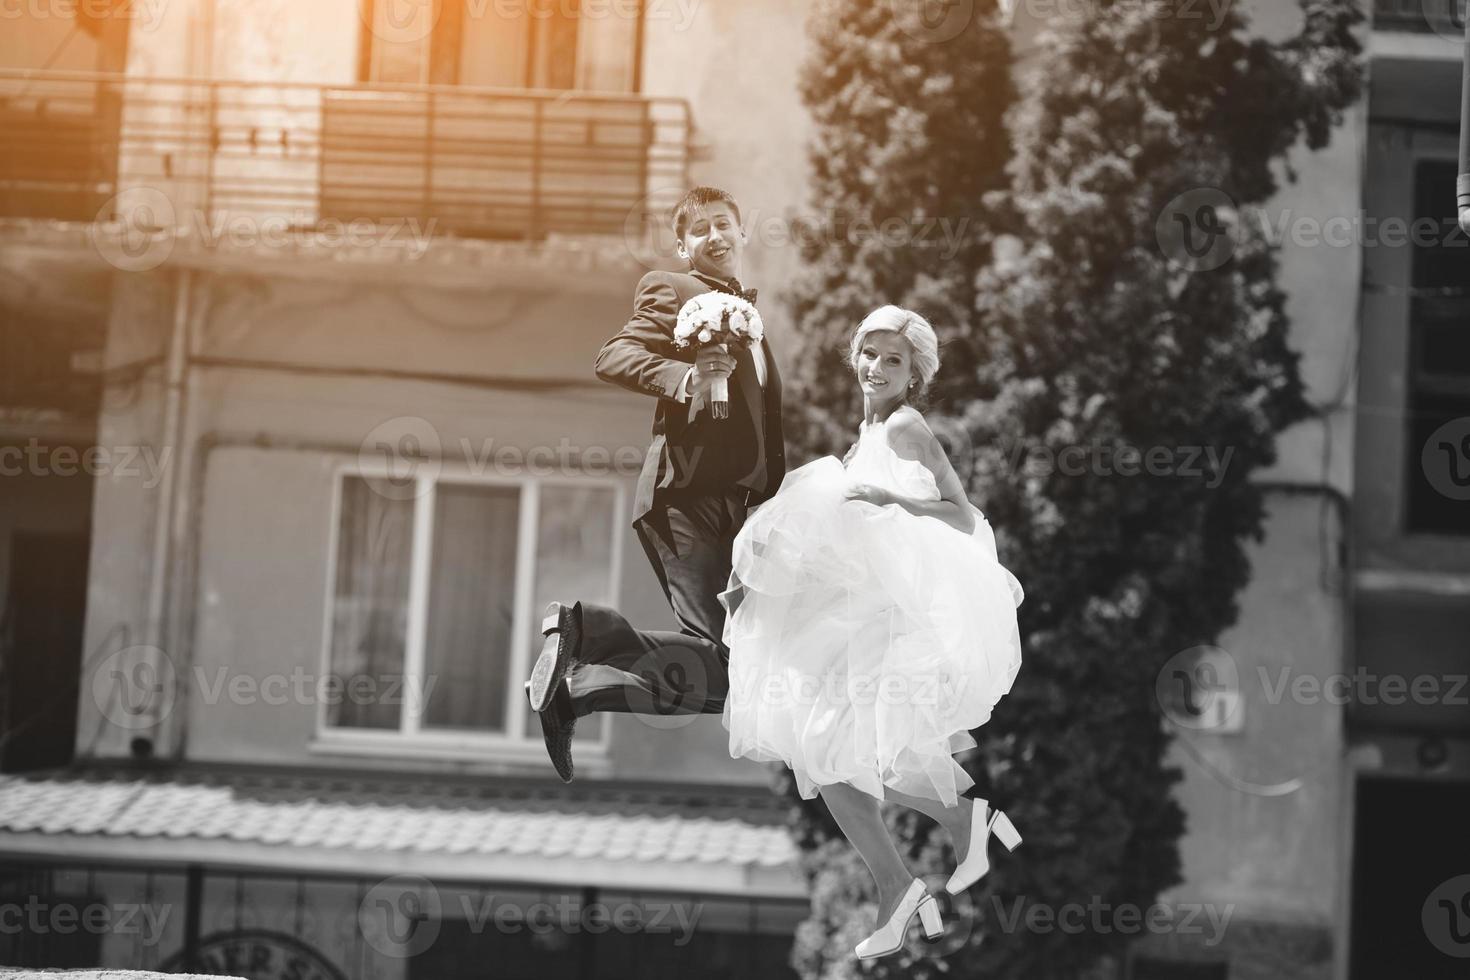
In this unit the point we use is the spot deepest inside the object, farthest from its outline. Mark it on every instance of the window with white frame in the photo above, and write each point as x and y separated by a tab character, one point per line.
435	597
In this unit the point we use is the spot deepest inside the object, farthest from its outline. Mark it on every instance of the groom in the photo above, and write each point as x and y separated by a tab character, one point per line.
700	477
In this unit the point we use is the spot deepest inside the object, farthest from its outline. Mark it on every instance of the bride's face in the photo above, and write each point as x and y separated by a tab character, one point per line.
885	366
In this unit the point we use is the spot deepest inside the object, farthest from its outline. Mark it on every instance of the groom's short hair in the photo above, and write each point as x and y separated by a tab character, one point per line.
694	201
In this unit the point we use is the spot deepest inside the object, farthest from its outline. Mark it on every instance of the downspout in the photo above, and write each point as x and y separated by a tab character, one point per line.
156	628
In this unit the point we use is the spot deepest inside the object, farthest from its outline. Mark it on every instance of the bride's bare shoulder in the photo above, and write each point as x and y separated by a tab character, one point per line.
907	419
909	435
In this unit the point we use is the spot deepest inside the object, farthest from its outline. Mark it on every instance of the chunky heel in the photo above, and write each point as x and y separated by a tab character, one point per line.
930	918
1005	831
890	935
560	649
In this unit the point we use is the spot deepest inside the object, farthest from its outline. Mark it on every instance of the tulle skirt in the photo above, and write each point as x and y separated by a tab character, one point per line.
865	642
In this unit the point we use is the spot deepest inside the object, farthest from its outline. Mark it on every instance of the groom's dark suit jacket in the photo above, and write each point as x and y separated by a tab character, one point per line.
747	449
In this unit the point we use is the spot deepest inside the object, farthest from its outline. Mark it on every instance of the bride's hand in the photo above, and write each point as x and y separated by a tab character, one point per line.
870	493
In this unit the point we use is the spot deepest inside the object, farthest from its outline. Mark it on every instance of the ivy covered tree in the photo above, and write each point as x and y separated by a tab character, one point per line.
1134	310
909	139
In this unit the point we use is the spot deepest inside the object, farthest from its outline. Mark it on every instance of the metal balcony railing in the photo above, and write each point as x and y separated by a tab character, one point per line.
476	162
1419	16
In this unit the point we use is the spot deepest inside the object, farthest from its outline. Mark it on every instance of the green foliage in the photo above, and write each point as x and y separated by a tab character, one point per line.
1079	328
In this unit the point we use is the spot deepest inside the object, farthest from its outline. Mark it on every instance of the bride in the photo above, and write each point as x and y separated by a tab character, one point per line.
871	628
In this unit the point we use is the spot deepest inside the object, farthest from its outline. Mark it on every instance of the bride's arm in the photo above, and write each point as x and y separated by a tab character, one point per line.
911	439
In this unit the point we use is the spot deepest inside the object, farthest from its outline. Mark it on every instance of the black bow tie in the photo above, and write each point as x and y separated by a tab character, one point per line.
734	288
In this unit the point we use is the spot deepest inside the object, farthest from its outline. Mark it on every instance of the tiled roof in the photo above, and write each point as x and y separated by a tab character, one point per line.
703	825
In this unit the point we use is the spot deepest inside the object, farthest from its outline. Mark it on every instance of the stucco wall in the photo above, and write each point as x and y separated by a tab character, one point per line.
737	64
258	461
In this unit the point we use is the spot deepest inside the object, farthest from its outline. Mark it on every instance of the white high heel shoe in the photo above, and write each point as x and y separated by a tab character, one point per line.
890	935
977	863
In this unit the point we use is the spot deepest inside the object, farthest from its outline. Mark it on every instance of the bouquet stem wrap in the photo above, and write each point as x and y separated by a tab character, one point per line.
719	394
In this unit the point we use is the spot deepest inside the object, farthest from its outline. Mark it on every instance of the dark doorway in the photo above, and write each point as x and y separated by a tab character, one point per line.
41	644
1410	853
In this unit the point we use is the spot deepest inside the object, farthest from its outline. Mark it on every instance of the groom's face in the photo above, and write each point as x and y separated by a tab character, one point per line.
714	242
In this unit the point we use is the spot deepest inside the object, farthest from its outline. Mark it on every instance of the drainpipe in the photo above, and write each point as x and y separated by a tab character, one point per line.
1462	186
156	630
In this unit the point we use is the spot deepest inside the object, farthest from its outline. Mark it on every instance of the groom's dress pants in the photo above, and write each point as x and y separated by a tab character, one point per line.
688	538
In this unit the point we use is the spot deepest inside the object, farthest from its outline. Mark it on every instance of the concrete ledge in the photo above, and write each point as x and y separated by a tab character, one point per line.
9	972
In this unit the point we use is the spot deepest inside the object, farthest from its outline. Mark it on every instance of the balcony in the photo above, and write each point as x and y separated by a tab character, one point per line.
1420	16
481	163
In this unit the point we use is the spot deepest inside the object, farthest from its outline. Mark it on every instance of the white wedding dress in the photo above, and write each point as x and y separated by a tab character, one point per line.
865	642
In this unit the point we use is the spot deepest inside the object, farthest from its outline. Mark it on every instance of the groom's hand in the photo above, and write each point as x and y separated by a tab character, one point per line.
710	364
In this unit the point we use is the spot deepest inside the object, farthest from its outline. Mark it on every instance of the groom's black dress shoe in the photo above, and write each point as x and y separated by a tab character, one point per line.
558	723
560	651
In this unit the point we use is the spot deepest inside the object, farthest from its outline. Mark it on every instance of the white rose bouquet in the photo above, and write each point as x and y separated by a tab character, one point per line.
718	319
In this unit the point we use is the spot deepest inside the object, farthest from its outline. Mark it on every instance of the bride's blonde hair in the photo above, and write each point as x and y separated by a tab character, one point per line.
908	325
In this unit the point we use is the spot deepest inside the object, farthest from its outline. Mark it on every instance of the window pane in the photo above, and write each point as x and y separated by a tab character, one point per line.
471	602
573	559
494	46
554	44
370	601
400	41
1439	362
606	49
